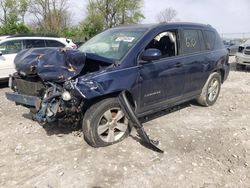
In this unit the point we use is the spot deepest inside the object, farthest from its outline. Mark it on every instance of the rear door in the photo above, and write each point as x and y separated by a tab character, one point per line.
194	59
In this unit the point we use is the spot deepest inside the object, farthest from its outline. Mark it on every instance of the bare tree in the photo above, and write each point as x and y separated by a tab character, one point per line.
50	15
13	10
167	15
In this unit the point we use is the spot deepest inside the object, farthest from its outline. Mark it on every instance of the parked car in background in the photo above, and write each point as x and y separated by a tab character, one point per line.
158	66
243	55
11	45
2	37
232	46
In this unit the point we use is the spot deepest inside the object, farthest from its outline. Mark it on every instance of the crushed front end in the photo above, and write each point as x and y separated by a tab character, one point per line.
46	79
50	101
62	85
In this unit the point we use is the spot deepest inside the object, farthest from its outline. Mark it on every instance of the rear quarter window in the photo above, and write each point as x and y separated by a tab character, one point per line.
190	41
54	43
210	38
219	44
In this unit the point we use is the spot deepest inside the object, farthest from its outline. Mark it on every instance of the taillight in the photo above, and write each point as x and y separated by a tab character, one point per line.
240	49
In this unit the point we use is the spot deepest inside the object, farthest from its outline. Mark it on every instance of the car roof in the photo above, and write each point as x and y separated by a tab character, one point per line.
33	37
4	37
165	24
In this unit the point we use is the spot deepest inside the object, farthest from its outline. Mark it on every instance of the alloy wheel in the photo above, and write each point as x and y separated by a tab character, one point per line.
213	89
112	125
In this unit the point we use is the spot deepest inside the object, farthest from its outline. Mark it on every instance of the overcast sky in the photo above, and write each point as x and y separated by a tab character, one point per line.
227	16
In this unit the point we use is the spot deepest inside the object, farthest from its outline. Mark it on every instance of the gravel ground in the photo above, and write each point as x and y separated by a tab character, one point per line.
204	147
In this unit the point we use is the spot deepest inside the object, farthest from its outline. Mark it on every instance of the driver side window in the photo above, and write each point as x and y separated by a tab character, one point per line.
166	43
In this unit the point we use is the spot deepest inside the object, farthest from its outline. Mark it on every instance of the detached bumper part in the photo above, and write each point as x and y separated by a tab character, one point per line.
126	107
24	99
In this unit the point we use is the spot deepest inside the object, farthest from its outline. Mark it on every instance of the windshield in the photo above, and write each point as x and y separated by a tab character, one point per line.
113	43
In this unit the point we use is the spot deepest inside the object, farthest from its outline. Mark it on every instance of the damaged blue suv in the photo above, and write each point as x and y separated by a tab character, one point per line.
157	66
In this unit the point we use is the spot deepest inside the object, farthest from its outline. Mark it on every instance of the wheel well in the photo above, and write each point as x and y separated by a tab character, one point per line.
222	73
110	95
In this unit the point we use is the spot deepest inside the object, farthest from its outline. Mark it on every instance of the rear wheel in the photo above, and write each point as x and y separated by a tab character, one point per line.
210	91
105	123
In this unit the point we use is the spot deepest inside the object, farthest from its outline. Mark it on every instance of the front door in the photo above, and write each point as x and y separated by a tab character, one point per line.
162	81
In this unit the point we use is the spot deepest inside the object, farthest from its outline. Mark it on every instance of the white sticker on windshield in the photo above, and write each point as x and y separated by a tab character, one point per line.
124	38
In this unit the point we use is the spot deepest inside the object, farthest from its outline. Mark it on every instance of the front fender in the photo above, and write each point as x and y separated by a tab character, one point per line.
96	85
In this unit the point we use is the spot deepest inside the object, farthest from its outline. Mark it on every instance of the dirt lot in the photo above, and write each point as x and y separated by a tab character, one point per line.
204	147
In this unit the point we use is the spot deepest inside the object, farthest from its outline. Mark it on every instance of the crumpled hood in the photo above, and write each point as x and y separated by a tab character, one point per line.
59	65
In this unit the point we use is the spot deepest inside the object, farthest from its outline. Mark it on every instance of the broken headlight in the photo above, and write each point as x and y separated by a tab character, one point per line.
66	96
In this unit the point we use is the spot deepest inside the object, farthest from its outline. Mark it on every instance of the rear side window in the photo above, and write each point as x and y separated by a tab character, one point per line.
190	42
210	39
34	43
219	43
11	47
53	43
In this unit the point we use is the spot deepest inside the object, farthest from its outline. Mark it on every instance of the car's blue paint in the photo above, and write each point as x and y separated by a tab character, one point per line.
161	80
157	83
108	81
151	54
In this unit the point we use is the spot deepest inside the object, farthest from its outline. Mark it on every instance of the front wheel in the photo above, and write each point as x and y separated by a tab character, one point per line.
105	123
211	90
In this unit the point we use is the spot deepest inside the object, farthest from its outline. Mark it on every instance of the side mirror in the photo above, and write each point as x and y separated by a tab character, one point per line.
151	54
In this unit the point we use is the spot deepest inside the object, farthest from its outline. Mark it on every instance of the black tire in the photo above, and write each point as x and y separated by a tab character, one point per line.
208	98
99	123
240	66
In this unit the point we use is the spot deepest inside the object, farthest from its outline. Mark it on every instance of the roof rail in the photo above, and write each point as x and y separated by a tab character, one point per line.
33	35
